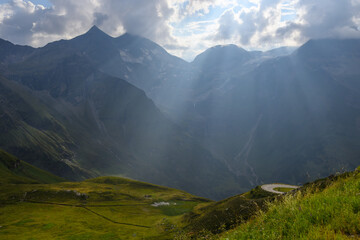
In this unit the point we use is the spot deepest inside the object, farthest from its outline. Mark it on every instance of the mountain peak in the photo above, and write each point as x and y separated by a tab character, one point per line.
94	27
230	52
95	30
93	36
95	33
228	47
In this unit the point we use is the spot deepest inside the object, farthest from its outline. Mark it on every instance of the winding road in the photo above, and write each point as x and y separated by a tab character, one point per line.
270	187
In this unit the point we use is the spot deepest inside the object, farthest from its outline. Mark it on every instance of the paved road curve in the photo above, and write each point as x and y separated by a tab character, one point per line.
270	187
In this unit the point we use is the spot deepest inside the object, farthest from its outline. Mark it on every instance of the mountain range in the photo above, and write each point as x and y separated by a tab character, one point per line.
230	120
62	114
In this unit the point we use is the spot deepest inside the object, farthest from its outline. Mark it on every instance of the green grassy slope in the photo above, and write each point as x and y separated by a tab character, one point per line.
13	170
30	129
326	209
101	208
212	218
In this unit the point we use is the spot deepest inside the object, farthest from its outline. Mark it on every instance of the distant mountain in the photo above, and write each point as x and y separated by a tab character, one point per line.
281	51
271	115
10	53
241	117
60	113
229	55
289	119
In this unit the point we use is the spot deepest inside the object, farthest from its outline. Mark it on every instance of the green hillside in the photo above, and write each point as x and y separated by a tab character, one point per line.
13	170
31	131
121	208
326	209
100	208
216	217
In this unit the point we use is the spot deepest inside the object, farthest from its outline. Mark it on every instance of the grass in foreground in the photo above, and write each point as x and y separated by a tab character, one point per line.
317	212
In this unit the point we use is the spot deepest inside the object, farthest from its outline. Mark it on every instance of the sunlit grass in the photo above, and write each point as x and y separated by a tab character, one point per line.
103	208
330	214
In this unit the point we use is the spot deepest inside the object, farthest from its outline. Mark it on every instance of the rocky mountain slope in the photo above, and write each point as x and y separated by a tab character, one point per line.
241	117
61	113
282	115
289	119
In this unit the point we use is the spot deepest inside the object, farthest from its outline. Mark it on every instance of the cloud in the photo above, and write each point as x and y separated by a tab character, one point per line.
25	23
184	27
229	25
17	16
141	17
263	25
185	8
99	18
253	25
323	18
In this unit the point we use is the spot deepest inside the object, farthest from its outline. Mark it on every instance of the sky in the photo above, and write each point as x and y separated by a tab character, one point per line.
184	28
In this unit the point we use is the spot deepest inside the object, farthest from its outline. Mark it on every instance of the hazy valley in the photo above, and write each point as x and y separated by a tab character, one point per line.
231	117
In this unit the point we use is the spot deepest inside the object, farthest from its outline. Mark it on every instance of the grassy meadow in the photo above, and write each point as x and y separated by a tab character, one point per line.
36	205
92	210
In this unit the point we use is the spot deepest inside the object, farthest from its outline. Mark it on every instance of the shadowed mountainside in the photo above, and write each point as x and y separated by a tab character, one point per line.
67	117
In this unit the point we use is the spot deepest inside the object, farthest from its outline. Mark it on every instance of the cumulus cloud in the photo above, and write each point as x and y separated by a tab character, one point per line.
251	26
184	27
262	25
323	18
184	8
140	17
99	18
203	6
17	16
25	23
265	24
